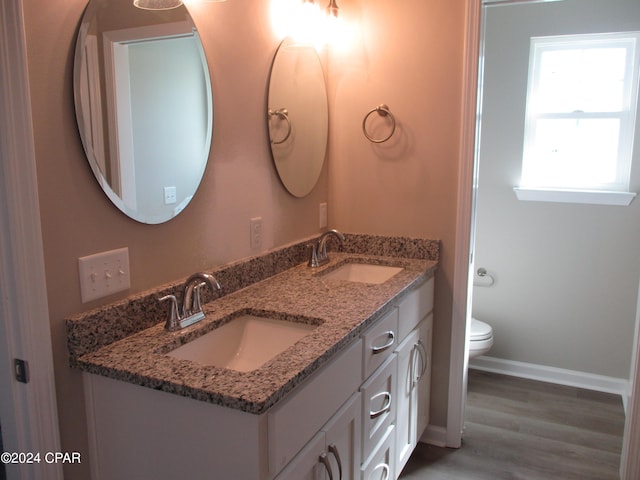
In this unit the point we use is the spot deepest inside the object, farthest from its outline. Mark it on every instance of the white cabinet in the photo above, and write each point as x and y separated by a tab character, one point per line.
334	453
415	325
359	417
397	356
414	373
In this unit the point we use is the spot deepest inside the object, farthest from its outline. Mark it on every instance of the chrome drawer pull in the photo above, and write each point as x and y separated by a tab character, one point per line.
385	469
389	344
325	461
413	376
420	351
334	451
385	407
424	357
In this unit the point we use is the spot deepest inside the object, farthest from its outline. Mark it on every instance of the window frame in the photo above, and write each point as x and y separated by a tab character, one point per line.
627	115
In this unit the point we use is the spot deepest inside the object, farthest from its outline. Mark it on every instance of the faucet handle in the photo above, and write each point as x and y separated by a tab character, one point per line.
173	319
313	254
196	305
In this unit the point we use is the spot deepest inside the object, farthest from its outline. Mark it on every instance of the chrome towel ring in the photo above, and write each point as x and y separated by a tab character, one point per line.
283	114
383	111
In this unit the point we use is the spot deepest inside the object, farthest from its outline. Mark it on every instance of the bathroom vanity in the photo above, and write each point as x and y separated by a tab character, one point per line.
348	400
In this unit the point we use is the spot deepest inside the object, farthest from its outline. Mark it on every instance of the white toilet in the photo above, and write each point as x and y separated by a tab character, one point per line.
481	339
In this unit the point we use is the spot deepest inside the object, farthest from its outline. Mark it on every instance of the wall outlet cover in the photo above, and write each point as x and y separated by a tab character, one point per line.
256	232
323	215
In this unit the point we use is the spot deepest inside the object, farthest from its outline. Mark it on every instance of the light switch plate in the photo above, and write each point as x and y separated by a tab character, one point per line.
104	274
170	195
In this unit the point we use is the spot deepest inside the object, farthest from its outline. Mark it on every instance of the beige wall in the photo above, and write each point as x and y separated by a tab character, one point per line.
408	55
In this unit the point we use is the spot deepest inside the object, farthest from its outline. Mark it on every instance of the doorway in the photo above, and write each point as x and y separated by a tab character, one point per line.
630	283
566	274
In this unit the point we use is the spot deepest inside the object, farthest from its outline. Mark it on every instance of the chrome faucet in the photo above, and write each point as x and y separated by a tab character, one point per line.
191	310
319	254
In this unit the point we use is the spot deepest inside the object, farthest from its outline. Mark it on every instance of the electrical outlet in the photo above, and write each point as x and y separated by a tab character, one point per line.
255	225
103	274
323	215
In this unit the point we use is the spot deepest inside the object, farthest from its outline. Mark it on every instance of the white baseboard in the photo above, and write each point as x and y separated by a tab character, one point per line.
434	435
572	378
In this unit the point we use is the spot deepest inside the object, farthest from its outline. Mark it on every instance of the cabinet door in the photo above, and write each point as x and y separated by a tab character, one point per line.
307	465
407	398
414	378
424	383
334	452
343	434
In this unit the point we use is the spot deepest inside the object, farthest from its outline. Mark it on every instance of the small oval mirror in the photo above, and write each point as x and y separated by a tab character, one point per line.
297	116
143	105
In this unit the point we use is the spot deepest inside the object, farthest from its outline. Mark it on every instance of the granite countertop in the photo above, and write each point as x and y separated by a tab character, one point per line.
342	309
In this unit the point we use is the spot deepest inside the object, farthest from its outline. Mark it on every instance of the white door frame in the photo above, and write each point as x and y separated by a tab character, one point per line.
461	311
463	281
630	461
28	411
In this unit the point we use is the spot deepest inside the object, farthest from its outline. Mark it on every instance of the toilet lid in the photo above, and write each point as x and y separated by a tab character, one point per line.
480	330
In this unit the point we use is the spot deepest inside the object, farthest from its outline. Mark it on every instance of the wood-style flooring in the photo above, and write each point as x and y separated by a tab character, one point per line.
527	430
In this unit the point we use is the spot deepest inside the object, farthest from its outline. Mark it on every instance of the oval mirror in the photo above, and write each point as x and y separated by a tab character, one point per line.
297	116
143	105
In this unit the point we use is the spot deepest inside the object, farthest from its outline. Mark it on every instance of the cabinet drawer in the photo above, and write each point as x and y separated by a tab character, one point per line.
414	307
379	342
380	465
293	422
378	404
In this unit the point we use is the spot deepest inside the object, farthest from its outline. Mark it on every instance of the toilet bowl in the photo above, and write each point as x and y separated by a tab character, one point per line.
481	339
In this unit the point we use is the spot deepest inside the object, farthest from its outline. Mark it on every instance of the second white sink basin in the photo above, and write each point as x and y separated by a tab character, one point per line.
243	344
363	273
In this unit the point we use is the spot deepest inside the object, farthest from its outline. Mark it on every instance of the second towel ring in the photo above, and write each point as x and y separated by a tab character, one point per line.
383	111
283	114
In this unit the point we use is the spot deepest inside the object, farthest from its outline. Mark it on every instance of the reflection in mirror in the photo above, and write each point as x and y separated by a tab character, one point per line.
297	116
144	106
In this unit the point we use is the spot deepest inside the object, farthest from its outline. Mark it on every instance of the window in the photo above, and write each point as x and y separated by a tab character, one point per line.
581	111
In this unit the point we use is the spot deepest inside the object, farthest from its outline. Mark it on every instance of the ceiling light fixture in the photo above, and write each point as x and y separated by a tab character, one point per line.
332	9
157	4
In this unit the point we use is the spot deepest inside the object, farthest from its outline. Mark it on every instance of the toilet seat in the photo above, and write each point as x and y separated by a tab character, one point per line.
481	338
480	330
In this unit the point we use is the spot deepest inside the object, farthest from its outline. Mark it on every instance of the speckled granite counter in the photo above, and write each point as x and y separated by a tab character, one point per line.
105	341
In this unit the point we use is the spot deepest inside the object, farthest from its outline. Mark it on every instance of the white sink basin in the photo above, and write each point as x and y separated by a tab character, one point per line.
243	344
363	273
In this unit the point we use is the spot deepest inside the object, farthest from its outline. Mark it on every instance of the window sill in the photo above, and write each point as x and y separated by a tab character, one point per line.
591	197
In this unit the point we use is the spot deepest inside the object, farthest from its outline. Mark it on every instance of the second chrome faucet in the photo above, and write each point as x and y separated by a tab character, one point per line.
191	310
318	255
